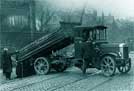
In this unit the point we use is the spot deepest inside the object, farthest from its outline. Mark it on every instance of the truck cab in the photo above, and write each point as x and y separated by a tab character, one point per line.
107	57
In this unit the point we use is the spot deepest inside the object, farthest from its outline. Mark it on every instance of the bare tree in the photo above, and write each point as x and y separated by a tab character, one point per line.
71	15
44	15
45	18
66	15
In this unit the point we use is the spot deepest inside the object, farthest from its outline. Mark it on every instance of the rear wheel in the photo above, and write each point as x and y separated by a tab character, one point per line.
42	66
108	66
60	67
79	64
125	67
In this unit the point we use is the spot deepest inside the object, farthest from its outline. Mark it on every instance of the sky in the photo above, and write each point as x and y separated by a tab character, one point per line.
118	8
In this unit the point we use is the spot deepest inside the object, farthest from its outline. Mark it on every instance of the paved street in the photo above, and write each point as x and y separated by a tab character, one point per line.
73	80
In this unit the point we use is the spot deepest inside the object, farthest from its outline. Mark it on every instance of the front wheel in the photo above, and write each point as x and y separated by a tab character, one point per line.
108	65
125	67
42	66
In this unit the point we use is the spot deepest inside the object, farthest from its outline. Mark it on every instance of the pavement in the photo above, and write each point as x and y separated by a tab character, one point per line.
3	79
72	80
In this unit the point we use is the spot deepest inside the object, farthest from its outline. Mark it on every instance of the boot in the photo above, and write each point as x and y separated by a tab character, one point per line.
84	67
8	75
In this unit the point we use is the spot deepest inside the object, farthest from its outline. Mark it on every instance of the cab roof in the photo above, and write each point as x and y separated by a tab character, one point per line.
99	27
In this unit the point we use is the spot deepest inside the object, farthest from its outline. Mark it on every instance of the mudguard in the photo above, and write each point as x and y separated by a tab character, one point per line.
110	54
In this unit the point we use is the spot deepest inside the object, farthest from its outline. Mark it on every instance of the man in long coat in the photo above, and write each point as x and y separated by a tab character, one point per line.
87	52
6	63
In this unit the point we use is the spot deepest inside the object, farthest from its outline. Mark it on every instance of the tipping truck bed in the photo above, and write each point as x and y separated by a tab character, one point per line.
44	45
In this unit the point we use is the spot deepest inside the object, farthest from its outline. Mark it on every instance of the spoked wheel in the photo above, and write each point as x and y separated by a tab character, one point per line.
108	66
60	67
41	66
125	67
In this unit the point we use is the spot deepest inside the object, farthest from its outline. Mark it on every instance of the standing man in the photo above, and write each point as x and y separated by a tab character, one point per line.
6	63
88	52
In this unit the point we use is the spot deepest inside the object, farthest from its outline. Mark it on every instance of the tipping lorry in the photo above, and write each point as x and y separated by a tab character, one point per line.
38	57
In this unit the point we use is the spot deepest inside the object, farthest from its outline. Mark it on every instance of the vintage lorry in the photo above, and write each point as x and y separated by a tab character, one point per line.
39	57
107	56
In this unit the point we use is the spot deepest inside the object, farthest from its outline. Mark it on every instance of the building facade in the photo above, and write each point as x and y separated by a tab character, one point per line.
17	23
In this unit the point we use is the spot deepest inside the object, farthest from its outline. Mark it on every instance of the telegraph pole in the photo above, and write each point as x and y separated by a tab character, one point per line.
32	18
83	12
0	24
0	31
